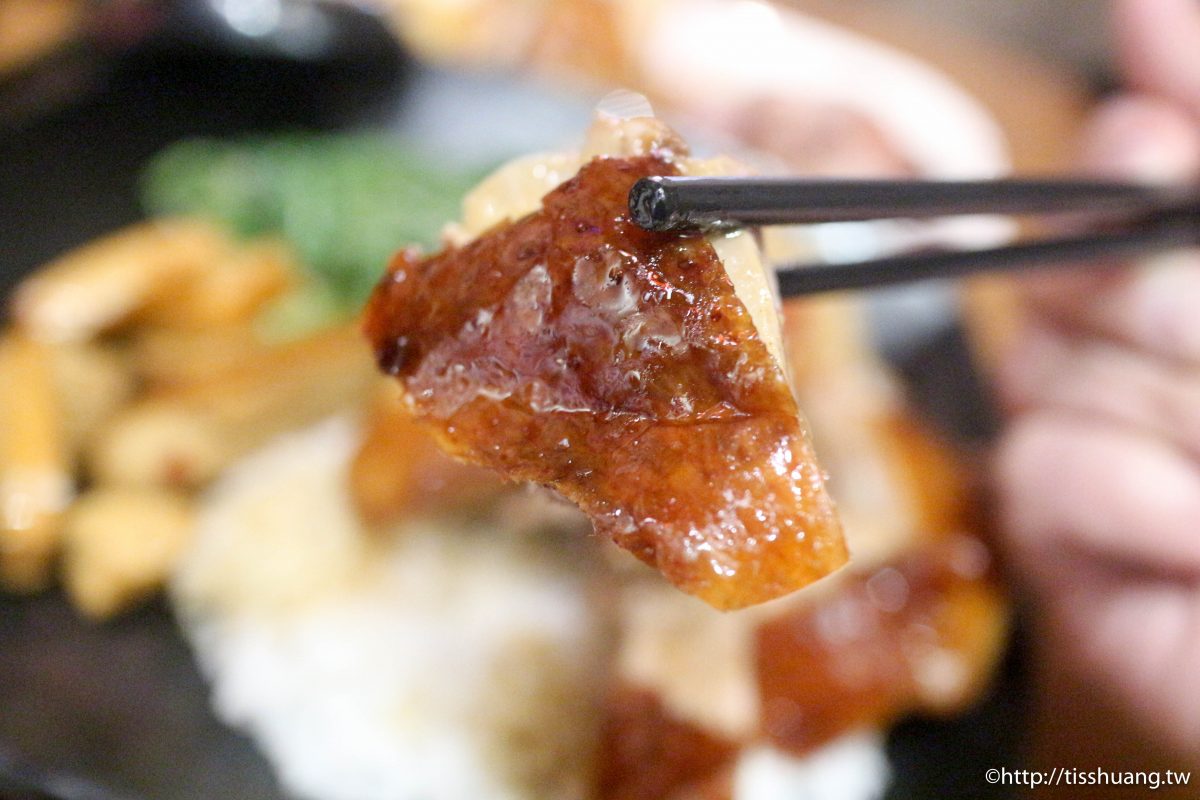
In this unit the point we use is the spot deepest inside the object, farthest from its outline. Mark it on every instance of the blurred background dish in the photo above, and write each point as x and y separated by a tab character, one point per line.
135	75
118	709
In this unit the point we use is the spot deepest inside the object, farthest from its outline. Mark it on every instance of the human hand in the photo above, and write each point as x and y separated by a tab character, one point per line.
1098	473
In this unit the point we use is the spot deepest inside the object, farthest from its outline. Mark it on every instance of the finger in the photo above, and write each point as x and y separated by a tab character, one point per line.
1031	362
1141	137
1159	46
1068	485
1134	637
1095	379
1152	307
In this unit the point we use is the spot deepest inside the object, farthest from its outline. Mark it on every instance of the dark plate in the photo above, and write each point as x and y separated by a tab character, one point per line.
118	710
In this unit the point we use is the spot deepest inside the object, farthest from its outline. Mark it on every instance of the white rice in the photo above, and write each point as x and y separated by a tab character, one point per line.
449	664
854	767
435	664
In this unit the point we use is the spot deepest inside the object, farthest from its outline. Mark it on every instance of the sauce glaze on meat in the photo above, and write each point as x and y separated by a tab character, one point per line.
574	349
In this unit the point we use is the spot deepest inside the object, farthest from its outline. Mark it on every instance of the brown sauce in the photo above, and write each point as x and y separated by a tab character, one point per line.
919	634
646	753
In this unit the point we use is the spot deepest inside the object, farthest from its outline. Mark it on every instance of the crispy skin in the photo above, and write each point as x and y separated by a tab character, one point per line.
574	349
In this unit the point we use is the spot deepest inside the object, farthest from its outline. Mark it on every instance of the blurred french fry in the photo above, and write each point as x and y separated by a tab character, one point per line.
172	357
230	291
100	284
183	437
399	469
120	545
35	479
93	382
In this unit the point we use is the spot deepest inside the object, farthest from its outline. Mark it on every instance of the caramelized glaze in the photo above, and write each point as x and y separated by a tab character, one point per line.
648	754
918	634
574	349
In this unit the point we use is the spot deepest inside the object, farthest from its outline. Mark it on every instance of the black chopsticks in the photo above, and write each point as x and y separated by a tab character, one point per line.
1133	219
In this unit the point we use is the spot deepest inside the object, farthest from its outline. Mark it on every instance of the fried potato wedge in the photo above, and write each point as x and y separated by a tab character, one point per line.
94	381
170	358
230	291
99	285
182	437
35	477
120	545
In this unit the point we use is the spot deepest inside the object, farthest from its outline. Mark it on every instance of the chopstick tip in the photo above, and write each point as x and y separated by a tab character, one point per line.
652	207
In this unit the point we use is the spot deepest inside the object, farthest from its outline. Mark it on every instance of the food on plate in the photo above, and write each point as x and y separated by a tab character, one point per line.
91	382
385	621
231	290
439	658
166	357
342	203
34	29
35	466
137	366
646	752
918	633
400	471
442	652
184	436
102	284
366	606
120	545
623	368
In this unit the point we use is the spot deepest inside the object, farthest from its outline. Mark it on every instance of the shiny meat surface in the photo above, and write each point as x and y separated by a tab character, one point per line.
574	349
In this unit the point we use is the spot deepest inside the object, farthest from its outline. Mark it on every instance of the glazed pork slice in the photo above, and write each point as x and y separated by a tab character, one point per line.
571	348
